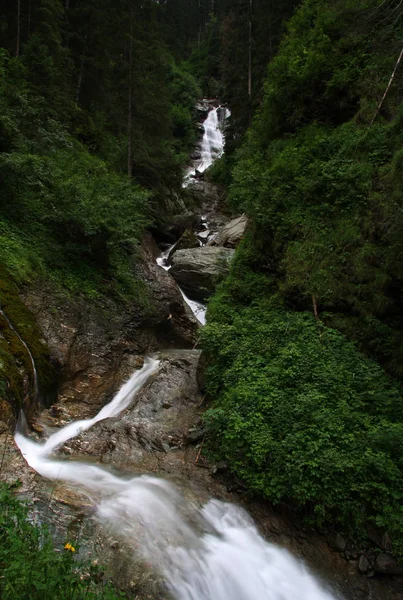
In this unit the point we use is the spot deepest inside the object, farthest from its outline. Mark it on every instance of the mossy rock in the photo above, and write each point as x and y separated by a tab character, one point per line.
17	383
187	241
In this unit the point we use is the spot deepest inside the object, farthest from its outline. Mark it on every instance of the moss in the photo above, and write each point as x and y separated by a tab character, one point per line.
14	358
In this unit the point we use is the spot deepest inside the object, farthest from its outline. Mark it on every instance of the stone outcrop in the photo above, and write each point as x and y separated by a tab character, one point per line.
232	233
156	425
93	343
197	270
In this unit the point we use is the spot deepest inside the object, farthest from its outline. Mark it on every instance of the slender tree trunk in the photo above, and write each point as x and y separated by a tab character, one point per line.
130	107
388	86
67	5
80	80
250	60
17	50
29	18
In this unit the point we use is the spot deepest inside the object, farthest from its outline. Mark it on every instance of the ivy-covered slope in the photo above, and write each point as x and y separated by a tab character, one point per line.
303	414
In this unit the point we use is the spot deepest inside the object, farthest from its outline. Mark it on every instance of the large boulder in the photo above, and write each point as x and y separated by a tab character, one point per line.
197	270
232	233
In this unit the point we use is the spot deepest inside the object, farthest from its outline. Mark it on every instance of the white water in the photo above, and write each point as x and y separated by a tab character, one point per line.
209	553
34	371
212	146
163	258
198	309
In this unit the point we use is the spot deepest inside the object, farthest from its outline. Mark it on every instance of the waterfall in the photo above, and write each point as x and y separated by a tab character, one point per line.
212	145
34	371
210	553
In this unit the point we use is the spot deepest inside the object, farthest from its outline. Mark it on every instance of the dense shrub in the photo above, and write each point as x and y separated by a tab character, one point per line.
304	418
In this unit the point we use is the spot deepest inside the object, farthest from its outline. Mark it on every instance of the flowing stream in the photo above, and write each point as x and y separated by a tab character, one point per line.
212	552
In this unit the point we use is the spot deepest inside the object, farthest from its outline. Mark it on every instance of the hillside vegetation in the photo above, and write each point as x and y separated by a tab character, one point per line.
307	396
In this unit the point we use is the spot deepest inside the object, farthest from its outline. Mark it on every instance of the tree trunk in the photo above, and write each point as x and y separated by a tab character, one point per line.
80	80
17	50
388	86
250	61
130	108
29	19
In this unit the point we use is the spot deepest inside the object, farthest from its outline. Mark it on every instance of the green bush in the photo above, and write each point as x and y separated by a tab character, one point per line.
30	567
302	417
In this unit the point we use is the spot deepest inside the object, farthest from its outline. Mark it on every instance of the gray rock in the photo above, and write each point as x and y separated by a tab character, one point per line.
336	542
197	270
363	564
161	416
387	565
195	435
232	233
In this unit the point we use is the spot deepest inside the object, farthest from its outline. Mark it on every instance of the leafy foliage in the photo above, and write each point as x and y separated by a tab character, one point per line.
304	418
303	414
30	567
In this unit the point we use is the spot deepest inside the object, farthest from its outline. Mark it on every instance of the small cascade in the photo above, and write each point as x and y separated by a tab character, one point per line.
209	553
163	258
198	309
34	371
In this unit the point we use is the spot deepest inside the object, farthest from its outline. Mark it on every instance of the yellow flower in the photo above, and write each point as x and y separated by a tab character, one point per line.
68	546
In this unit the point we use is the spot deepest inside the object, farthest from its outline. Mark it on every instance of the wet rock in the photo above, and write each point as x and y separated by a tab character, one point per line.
159	419
171	317
203	192
232	233
336	542
197	270
363	564
203	235
387	565
202	108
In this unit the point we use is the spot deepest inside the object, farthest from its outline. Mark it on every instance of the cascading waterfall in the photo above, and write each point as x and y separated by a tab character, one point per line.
212	145
34	371
212	552
209	553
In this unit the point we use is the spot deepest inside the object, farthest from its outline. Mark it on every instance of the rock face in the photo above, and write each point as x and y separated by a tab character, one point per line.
94	344
197	270
232	233
157	425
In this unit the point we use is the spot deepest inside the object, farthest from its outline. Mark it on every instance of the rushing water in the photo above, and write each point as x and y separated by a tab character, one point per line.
34	371
212	145
210	553
213	552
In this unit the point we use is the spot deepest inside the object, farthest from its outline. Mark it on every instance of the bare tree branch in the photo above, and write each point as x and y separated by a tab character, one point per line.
388	86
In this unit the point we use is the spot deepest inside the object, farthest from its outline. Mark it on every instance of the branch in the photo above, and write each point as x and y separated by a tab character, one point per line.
388	87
